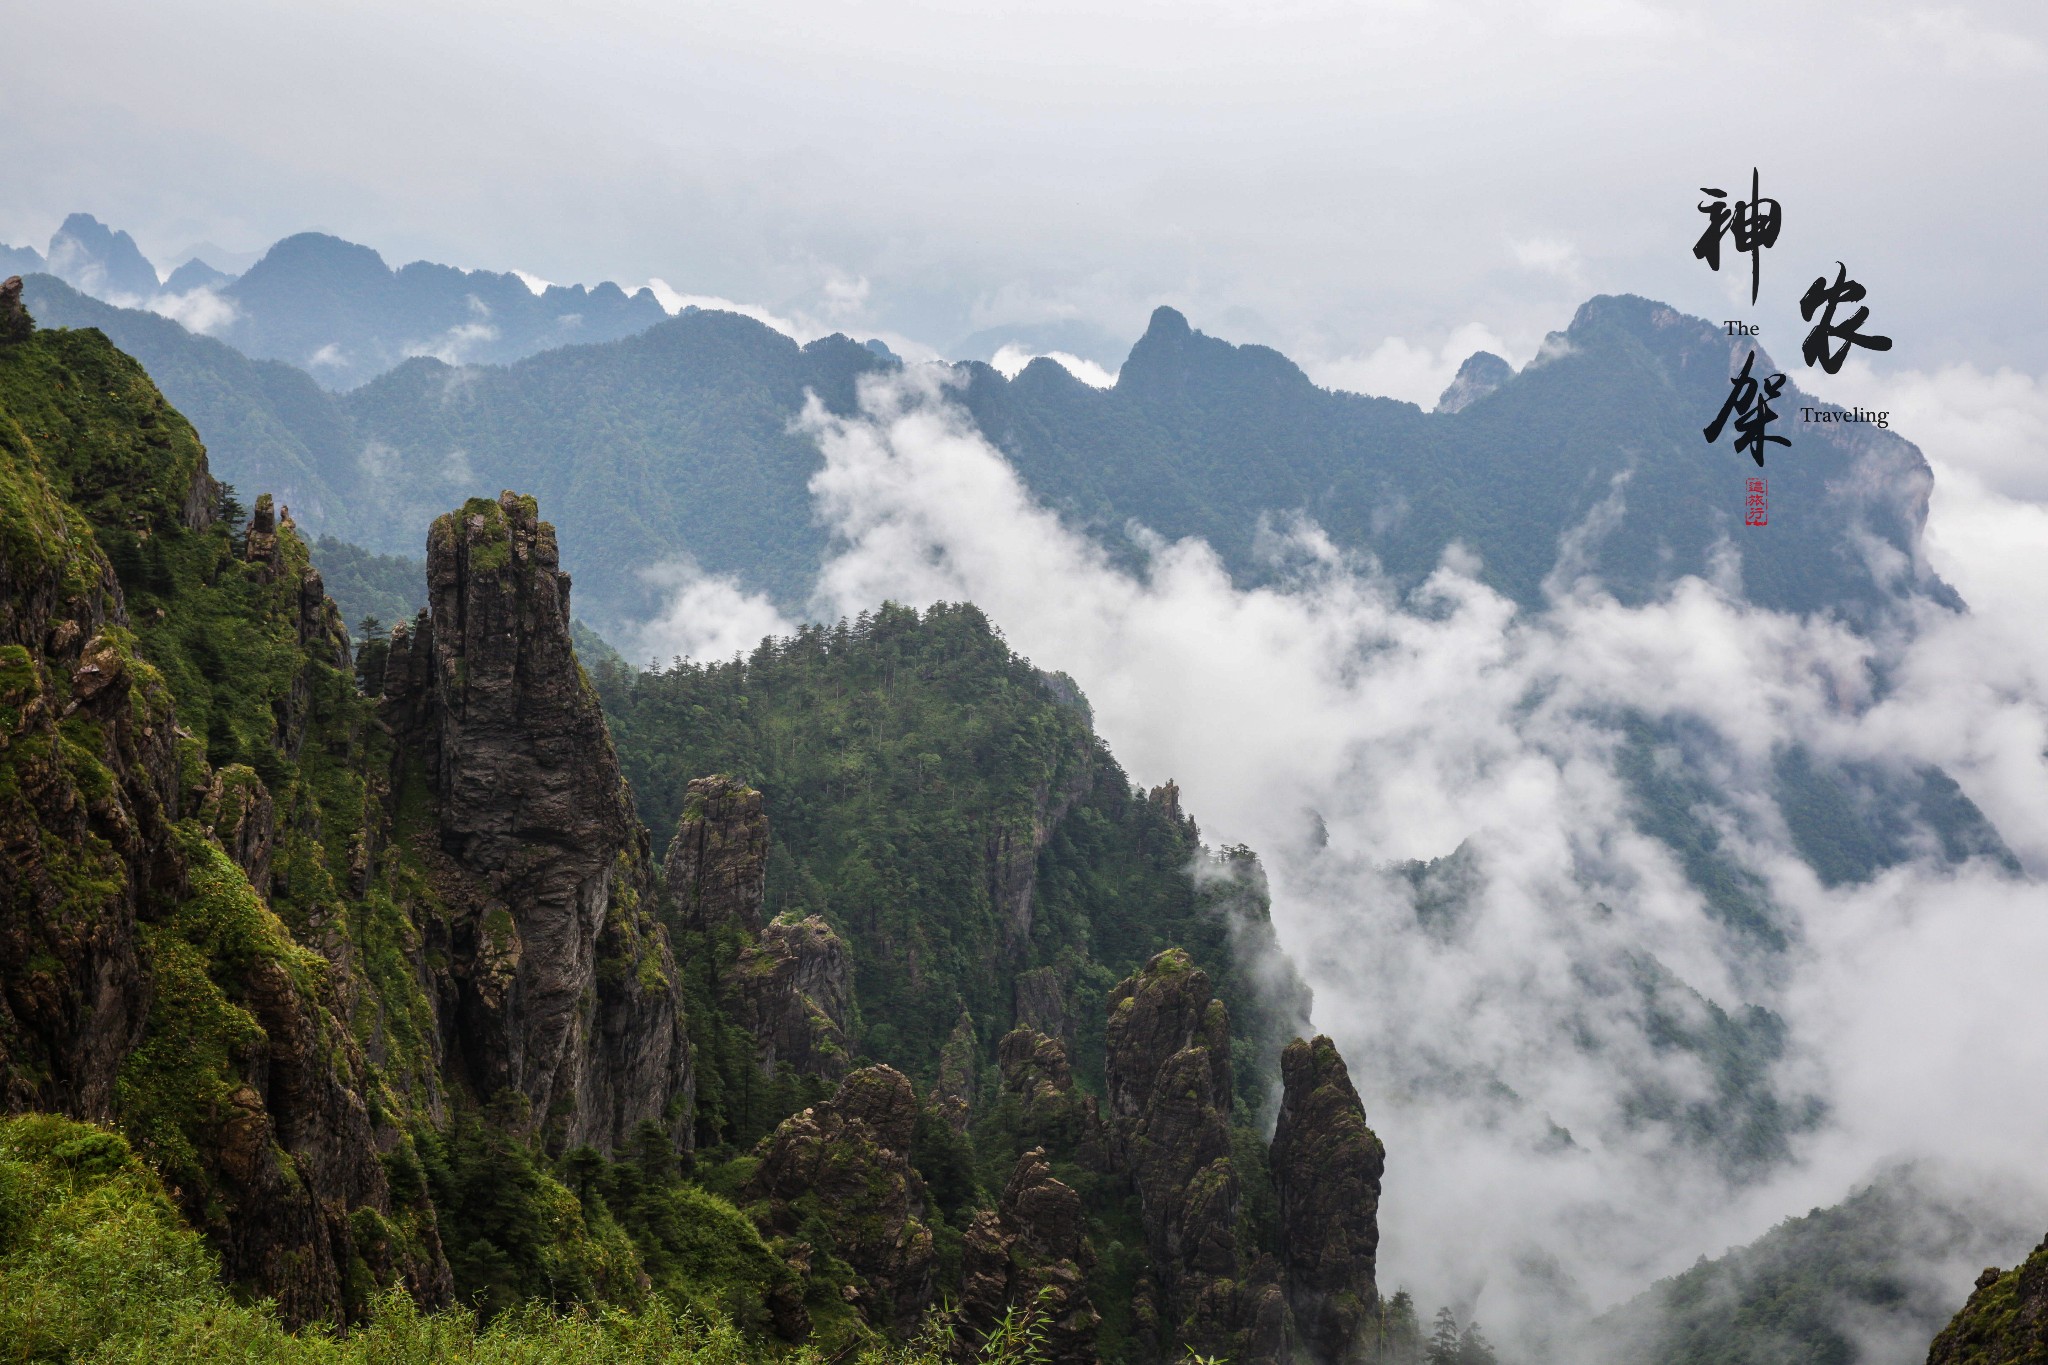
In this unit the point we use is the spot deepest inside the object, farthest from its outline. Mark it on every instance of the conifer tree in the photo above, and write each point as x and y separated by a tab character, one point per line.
1474	1348
1443	1340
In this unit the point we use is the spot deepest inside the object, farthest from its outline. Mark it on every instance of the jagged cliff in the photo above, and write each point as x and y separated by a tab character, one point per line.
843	1167
1031	1250
1170	1095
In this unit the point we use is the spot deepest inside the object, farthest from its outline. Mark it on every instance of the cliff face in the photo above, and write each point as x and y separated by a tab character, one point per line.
1326	1174
83	822
1052	1110
2004	1323
786	986
358	950
560	984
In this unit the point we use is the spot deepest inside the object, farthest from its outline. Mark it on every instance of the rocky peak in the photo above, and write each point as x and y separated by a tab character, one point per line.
1172	360
2006	1318
1054	1111
104	263
1029	1255
845	1164
953	1097
718	860
1167	1062
546	869
1481	374
15	323
795	986
1164	1012
1326	1166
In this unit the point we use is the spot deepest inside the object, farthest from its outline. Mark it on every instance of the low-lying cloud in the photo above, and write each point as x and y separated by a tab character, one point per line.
1011	358
1503	1037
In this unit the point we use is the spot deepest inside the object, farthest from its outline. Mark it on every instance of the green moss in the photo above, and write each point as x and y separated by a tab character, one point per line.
179	1087
481	525
21	683
1992	1329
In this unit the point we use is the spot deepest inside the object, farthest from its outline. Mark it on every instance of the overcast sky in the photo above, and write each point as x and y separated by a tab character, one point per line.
1372	187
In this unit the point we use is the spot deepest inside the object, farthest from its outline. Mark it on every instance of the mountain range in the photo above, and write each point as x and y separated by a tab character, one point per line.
334	309
677	443
504	999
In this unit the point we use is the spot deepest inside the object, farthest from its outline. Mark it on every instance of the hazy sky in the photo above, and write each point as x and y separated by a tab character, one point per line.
1373	187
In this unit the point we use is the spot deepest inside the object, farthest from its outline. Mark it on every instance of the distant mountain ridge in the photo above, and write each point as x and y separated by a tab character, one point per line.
338	311
676	442
335	309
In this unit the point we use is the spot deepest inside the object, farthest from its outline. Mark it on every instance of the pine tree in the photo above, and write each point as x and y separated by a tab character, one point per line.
228	508
1400	1335
1443	1341
1473	1347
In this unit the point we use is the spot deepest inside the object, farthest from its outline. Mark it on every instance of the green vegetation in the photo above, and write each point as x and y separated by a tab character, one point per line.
2004	1322
942	803
391	588
96	1265
908	763
1810	1289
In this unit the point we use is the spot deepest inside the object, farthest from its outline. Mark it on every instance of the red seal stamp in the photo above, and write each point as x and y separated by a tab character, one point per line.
1757	508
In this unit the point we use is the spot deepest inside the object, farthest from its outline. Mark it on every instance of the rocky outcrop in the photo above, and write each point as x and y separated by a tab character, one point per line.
1326	1165
240	813
1053	1112
88	760
1042	1003
789	984
718	861
795	991
1482	373
1029	1256
845	1163
1167	1063
560	984
2006	1319
15	323
953	1097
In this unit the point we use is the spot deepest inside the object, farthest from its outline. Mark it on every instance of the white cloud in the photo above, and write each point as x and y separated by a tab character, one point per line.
673	301
1550	256
1413	725
1011	358
706	617
456	345
535	285
845	296
201	310
1411	371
